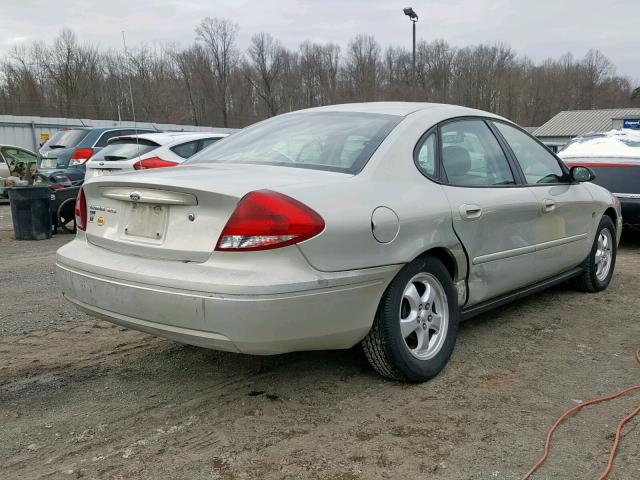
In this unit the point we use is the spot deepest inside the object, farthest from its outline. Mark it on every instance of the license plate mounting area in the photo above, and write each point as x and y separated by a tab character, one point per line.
145	220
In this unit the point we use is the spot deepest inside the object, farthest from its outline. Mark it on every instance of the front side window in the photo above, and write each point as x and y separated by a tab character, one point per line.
537	163
472	156
334	141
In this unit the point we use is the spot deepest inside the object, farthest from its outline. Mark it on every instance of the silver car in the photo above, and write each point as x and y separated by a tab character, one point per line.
379	223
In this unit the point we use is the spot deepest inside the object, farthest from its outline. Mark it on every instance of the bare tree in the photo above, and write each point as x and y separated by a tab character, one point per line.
363	67
68	63
219	36
268	61
206	83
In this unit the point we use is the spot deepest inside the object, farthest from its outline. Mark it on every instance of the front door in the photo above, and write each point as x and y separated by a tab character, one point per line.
566	210
492	215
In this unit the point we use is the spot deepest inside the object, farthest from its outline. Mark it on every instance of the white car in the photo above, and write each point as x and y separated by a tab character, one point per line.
149	150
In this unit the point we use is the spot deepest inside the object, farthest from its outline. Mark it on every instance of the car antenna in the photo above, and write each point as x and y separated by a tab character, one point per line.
133	108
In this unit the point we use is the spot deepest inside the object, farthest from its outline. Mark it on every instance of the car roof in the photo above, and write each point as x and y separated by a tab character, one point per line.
170	137
400	108
106	129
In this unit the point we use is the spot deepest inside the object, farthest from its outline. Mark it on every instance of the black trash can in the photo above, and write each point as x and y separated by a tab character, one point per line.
30	209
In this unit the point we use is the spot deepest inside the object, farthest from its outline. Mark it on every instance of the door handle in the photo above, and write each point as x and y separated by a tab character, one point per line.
470	211
548	205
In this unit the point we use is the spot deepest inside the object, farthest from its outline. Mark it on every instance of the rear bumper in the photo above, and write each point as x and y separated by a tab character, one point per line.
334	311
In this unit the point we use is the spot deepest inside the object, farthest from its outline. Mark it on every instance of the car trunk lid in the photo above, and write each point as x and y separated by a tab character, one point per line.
178	213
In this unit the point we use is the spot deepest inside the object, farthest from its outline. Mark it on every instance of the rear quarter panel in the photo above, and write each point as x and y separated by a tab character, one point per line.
390	179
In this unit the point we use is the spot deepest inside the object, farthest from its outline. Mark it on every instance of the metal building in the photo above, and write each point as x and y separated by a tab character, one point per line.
32	132
571	123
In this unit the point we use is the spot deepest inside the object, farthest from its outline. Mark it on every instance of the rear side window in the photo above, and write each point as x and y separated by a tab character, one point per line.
472	156
537	163
208	141
65	139
124	150
186	150
426	157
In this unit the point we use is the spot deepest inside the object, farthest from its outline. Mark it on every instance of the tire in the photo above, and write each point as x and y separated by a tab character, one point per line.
593	278
66	215
424	352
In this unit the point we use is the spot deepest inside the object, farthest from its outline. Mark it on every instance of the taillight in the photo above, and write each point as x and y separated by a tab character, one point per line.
80	156
266	219
153	162
81	210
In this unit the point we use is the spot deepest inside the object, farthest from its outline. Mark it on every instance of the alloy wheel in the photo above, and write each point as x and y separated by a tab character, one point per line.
424	316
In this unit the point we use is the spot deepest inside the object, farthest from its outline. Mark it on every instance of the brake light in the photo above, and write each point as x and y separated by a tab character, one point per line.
153	162
81	210
264	219
80	156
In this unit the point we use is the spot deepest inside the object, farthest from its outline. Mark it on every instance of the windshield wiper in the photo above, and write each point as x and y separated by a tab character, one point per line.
114	157
57	146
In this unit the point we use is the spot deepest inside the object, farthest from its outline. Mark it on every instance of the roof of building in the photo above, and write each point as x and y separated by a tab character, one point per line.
56	122
570	123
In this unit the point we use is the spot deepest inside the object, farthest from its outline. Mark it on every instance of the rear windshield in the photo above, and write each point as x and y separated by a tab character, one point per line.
334	141
65	139
124	150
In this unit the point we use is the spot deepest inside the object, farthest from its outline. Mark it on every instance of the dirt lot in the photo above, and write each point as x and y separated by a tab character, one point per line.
80	398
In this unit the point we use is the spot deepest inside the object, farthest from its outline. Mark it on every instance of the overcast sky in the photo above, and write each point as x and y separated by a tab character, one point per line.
539	28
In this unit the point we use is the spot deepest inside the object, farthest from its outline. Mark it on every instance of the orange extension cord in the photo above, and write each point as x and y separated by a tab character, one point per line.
571	411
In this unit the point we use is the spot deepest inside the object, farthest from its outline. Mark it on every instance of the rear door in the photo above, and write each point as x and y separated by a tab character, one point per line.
566	209
492	214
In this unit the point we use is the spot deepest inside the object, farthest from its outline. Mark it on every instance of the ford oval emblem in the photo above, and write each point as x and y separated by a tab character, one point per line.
135	197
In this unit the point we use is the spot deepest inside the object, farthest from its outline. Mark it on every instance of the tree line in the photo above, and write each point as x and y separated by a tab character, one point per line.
212	82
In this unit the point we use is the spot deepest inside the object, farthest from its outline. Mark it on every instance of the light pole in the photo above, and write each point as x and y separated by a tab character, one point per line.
413	16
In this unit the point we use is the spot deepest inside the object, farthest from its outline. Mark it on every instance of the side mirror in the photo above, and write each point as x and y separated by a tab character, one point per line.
581	173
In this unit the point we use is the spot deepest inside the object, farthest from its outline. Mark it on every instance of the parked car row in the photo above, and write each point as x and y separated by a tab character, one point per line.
382	224
71	152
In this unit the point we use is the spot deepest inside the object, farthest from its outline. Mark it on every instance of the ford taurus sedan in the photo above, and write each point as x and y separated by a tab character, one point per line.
383	224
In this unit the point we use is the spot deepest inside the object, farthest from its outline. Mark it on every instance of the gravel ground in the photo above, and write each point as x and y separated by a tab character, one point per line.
81	398
5	217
